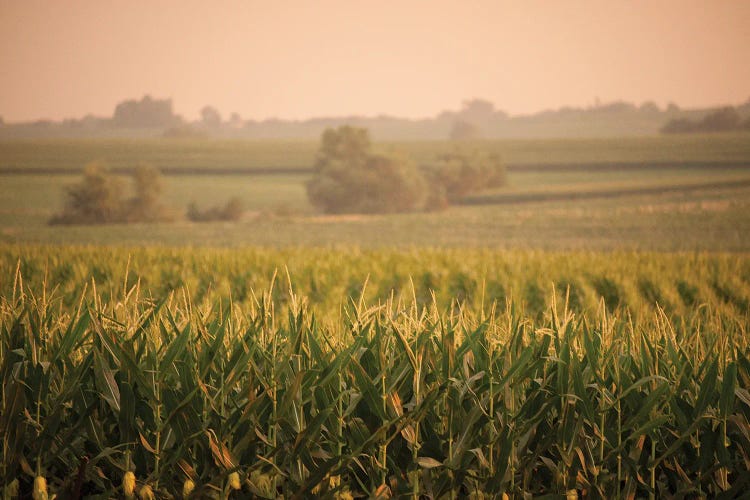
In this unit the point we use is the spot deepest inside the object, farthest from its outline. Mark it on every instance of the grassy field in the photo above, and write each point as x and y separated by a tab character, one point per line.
242	155
693	218
440	373
704	219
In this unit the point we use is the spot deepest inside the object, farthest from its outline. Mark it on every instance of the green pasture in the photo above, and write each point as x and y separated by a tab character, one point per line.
280	215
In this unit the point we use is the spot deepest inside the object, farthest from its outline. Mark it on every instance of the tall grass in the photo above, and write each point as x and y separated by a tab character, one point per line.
391	397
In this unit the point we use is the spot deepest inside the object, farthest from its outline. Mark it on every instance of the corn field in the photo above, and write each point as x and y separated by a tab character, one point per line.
122	387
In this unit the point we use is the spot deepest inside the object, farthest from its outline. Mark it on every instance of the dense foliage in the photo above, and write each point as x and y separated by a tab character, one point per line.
402	397
452	176
725	119
100	199
232	211
348	178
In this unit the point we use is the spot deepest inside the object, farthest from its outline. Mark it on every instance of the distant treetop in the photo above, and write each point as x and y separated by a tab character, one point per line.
146	113
725	119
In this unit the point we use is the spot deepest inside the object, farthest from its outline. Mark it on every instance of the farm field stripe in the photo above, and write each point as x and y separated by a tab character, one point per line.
513	167
513	198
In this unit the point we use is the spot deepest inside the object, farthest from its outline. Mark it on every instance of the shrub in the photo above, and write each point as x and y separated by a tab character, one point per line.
232	211
98	198
678	126
458	174
146	205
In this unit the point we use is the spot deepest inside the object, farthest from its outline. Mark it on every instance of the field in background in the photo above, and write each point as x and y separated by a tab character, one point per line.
240	155
708	221
656	193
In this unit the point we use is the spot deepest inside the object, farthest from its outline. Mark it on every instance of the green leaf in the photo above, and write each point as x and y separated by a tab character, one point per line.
105	382
726	400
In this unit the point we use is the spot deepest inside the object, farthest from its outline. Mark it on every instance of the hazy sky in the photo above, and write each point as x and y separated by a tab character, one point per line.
66	58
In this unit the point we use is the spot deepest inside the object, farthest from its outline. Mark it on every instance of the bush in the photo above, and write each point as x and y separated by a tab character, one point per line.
232	211
348	178
146	205
98	198
458	174
678	126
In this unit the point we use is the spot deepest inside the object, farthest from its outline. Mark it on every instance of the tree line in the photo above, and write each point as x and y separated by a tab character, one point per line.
726	119
475	118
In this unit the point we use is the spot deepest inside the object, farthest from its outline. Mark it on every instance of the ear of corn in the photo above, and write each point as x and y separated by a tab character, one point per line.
401	397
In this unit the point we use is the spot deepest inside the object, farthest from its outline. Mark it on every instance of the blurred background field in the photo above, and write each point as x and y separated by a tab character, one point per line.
680	193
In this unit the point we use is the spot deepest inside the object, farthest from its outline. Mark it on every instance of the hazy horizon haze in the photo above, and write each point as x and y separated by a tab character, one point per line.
297	60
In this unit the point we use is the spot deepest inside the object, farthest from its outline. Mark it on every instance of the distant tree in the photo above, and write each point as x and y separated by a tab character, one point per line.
649	107
146	113
146	206
615	107
477	110
235	120
210	117
678	126
348	178
721	120
97	199
673	108
2	122
343	144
